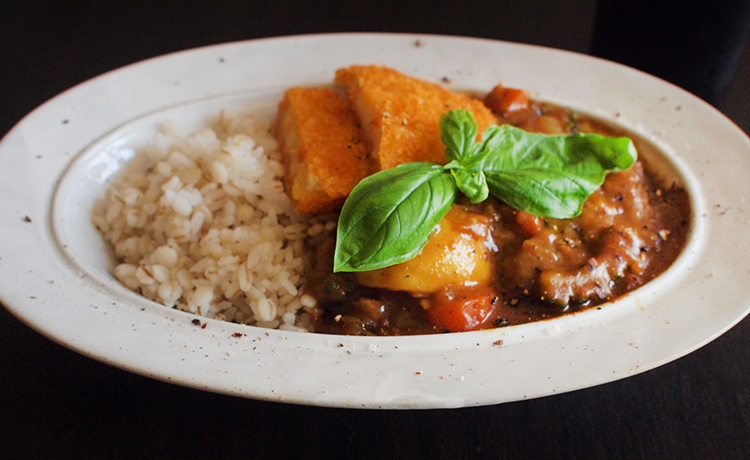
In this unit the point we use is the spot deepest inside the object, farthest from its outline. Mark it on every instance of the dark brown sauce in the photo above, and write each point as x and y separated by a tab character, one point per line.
631	230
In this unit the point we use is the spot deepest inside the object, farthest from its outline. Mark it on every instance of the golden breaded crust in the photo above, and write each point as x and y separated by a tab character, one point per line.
322	147
400	114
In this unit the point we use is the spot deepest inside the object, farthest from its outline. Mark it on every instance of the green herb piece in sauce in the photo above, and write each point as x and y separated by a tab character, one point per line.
390	215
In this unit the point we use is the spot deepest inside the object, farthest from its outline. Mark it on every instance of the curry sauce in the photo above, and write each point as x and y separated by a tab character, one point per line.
630	231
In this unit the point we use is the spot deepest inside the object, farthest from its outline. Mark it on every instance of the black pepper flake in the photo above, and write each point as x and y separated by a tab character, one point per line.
237	335
196	321
27	219
500	322
221	59
65	121
445	80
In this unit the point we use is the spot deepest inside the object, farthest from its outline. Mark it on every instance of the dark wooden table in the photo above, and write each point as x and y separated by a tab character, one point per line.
57	404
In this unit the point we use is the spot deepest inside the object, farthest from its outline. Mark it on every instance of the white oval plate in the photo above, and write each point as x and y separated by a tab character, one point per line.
53	265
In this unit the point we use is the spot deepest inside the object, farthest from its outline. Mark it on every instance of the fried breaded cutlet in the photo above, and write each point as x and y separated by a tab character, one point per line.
324	154
400	114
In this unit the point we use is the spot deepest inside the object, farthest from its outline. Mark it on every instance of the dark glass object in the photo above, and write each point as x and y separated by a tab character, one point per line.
693	44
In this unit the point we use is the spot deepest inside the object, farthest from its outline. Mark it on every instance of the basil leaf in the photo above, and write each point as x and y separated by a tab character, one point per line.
473	184
550	176
390	215
458	131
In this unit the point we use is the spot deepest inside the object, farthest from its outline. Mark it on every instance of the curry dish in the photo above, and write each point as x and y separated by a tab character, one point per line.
486	264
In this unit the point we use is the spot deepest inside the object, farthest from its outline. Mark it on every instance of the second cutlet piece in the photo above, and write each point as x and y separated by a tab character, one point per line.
400	114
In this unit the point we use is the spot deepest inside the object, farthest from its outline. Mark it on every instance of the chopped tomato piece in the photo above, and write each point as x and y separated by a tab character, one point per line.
529	223
502	100
465	309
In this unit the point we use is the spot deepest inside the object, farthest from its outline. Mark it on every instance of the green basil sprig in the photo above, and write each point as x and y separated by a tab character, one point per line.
390	215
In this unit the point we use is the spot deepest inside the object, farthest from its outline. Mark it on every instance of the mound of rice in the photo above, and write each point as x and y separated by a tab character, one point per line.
201	223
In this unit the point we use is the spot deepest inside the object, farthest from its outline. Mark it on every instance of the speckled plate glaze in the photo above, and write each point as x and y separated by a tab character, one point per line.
54	268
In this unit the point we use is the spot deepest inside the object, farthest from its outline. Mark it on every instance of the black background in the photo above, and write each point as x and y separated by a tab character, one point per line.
57	404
